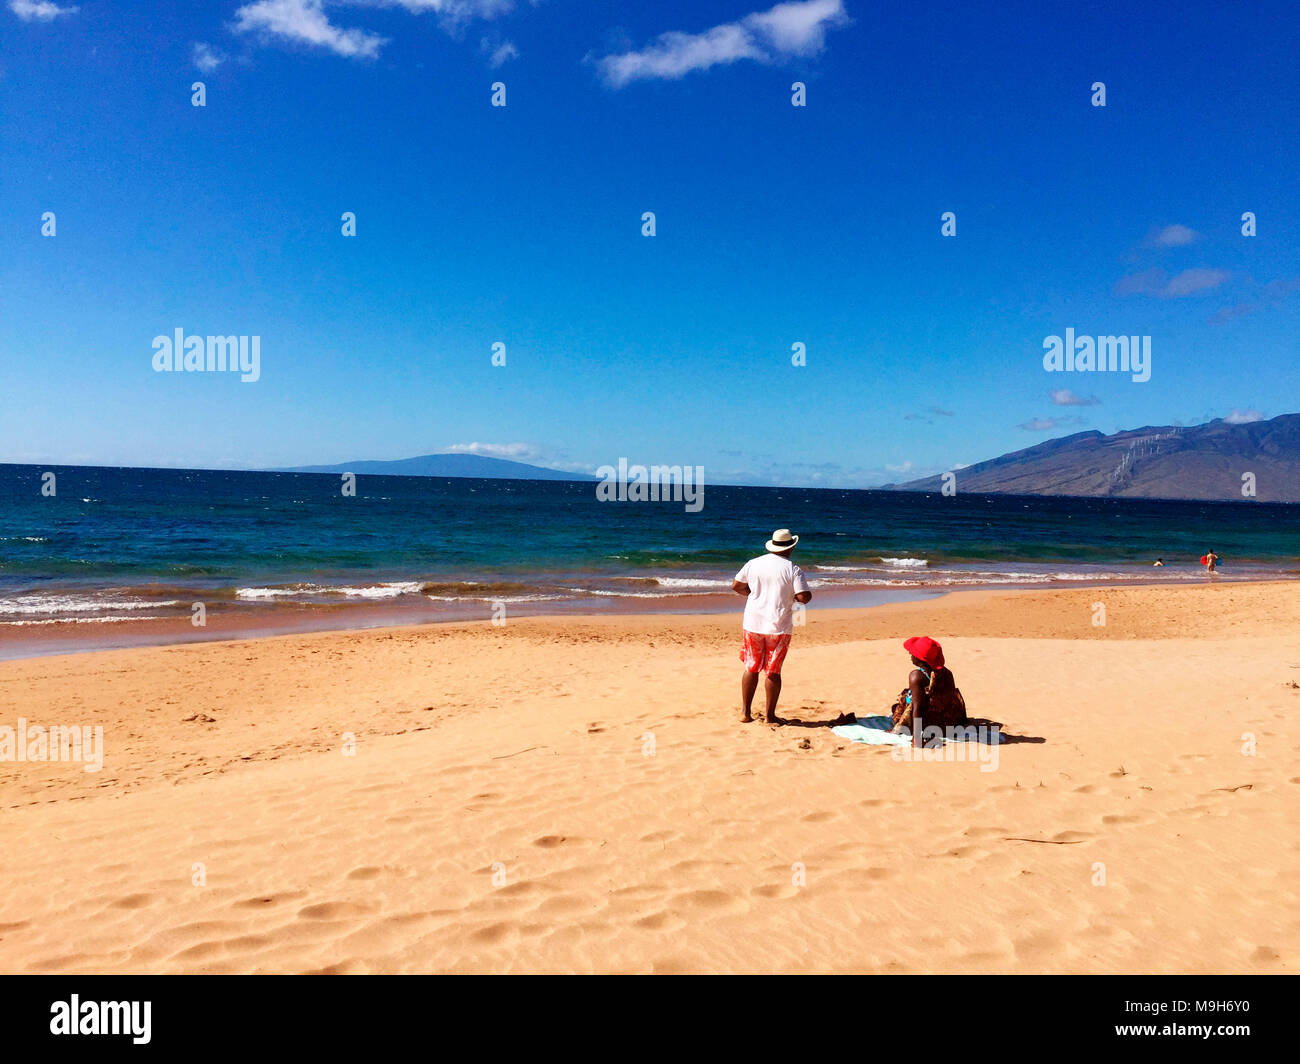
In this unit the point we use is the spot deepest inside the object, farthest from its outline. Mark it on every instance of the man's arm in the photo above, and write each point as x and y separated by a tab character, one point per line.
740	587
801	592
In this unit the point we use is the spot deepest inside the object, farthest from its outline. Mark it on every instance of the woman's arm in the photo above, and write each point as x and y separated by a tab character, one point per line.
920	700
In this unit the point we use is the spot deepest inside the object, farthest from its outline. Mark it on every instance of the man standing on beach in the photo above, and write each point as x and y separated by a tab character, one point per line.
772	584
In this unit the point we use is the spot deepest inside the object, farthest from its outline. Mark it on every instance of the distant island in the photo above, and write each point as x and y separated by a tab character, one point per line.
1199	462
444	465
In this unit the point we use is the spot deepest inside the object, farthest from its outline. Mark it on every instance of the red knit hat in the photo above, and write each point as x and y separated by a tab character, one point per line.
925	649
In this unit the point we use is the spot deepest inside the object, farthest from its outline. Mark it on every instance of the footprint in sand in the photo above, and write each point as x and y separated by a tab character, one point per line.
513	890
266	901
964	851
198	952
982	958
132	901
495	934
333	910
55	964
1038	947
561	904
775	890
643	890
549	842
342	968
864	878
710	899
662	921
692	865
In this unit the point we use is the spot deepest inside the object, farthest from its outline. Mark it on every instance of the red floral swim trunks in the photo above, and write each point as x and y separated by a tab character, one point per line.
766	652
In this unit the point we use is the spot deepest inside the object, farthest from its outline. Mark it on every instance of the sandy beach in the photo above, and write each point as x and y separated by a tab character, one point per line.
576	794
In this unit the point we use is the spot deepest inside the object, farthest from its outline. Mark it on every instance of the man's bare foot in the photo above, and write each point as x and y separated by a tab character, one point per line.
746	719
774	720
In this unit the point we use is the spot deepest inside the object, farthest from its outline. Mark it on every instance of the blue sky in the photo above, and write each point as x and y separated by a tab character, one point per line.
775	225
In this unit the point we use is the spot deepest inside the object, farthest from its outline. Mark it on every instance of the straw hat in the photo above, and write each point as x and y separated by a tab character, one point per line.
781	540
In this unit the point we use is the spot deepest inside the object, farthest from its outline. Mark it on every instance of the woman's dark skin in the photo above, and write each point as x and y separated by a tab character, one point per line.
916	683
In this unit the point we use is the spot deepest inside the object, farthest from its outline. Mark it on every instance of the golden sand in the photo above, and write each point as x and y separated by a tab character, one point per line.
577	795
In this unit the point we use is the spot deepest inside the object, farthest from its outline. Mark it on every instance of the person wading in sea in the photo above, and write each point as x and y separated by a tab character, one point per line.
772	584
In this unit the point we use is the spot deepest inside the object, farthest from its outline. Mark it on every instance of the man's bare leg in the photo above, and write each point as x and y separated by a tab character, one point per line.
773	689
748	685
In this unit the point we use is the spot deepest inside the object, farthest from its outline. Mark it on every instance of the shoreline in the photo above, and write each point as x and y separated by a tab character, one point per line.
273	623
19	641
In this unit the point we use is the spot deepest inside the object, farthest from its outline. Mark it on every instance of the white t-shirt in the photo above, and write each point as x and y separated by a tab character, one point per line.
773	583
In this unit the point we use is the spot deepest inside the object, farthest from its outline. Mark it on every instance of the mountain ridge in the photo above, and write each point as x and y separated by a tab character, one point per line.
475	466
1215	461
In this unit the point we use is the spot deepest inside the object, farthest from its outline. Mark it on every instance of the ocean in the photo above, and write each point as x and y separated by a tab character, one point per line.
113	545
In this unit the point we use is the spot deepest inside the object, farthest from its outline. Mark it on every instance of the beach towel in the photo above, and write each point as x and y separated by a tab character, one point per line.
874	731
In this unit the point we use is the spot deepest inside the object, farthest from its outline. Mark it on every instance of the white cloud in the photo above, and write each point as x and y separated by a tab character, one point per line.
305	22
39	10
519	452
1243	417
1190	282
1156	283
206	59
451	10
798	28
1047	424
503	54
1175	236
1065	397
785	31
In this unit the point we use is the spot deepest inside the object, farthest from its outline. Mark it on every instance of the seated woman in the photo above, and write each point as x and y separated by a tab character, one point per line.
931	690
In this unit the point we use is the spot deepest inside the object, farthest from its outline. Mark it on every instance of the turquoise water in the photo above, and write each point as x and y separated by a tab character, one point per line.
114	544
